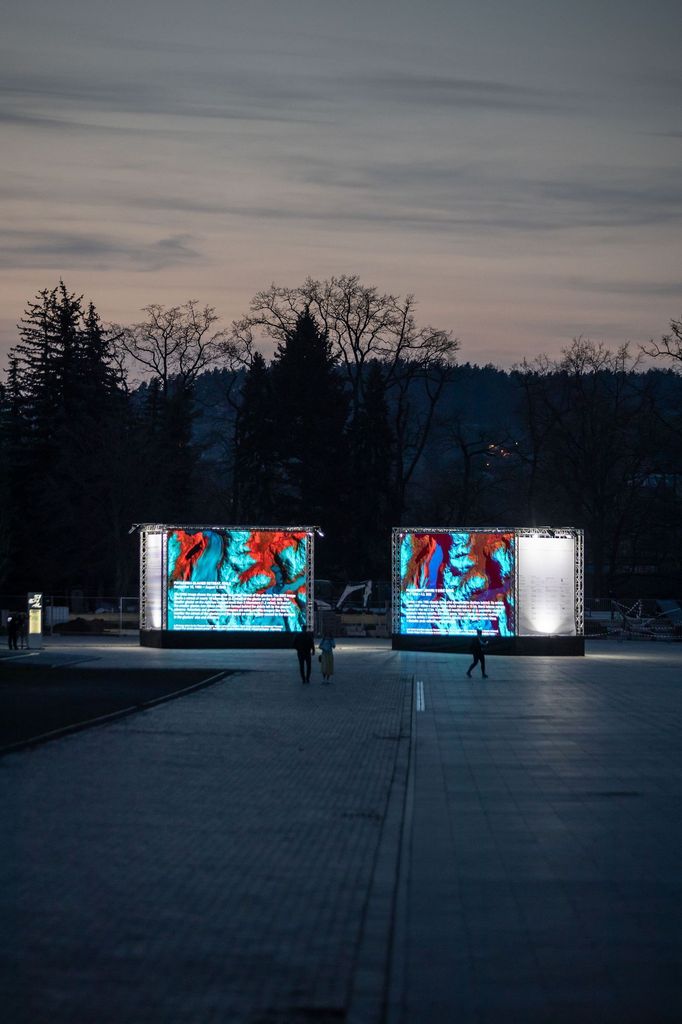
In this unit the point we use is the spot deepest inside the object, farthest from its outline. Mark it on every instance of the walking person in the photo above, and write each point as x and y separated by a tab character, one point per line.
21	631
477	645
12	631
304	645
327	645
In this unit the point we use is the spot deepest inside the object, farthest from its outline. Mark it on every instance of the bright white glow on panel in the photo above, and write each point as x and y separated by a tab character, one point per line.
546	594
154	577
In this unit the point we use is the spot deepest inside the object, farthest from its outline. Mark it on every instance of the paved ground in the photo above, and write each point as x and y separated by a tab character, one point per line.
542	863
404	846
45	693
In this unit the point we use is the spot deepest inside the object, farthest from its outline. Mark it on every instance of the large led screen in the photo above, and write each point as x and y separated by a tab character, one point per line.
453	583
236	579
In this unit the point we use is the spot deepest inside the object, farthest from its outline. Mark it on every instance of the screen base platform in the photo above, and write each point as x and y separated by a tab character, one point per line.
547	646
214	640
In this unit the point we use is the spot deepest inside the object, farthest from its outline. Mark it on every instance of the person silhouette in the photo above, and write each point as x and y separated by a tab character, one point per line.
477	645
327	646
304	645
21	630
12	631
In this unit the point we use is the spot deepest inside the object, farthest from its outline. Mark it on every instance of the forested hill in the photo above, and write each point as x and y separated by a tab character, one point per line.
480	394
484	397
597	450
357	432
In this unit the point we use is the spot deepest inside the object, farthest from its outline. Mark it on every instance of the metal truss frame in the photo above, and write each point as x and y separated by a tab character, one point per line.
535	531
143	580
578	538
145	531
309	580
160	527
579	582
396	538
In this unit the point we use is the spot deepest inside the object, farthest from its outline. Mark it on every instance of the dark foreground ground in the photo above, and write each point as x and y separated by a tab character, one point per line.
404	846
39	697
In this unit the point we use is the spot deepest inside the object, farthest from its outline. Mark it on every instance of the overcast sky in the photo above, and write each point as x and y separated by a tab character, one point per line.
516	165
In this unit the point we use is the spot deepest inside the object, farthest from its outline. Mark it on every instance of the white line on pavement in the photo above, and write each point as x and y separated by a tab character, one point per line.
420	695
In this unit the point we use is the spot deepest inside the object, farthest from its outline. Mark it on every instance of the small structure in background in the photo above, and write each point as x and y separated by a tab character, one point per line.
361	609
35	621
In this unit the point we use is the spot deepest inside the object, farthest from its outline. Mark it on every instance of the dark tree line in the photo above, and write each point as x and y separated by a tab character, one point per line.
361	420
83	454
62	407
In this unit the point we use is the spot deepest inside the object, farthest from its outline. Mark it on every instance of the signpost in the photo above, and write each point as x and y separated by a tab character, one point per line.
35	621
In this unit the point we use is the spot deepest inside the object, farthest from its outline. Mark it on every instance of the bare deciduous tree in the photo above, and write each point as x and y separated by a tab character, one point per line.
477	455
670	345
177	342
362	325
594	429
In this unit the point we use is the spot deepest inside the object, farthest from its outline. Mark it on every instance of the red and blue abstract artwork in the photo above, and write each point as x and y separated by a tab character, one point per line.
237	579
455	582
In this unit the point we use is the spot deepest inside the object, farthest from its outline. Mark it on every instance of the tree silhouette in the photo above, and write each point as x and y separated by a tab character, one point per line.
65	403
257	477
599	436
670	345
311	410
362	325
361	421
371	496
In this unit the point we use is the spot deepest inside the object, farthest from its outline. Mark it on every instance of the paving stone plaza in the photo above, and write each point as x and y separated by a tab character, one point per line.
403	846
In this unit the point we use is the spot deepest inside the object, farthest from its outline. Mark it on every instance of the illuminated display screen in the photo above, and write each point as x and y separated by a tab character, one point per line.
241	580
453	583
546	570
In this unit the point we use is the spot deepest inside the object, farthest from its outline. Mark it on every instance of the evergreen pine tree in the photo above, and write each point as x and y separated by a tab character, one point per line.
370	514
257	477
67	408
311	408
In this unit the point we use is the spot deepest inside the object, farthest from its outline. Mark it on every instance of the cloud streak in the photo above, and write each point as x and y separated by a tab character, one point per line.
428	198
477	193
41	98
51	249
449	91
627	286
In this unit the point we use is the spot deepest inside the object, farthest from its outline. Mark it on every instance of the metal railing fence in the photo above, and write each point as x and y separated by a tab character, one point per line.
78	613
